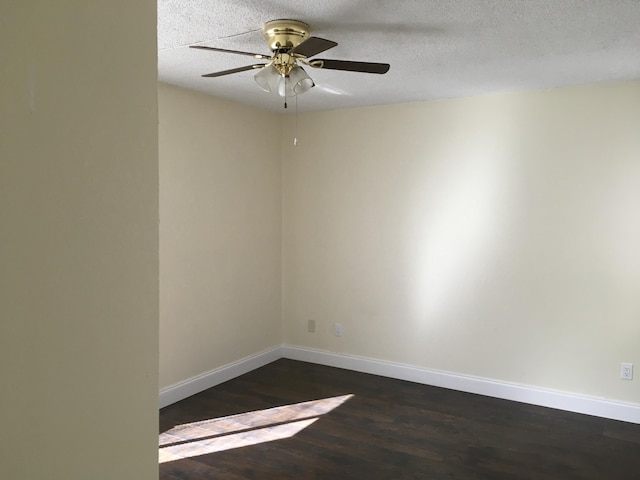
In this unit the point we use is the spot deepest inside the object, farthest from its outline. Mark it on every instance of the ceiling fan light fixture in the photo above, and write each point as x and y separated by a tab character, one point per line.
295	83
285	88
290	43
300	80
268	78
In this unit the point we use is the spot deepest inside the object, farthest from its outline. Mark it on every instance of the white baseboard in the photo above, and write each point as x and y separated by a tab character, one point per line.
627	412
199	383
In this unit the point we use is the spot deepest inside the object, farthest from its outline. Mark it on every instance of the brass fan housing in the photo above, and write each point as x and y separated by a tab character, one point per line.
285	34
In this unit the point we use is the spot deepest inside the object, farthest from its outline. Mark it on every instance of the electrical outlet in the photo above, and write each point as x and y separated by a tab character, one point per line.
626	371
338	329
311	326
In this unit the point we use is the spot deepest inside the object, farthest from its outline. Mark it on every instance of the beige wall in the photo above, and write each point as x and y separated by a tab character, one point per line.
494	236
79	236
220	233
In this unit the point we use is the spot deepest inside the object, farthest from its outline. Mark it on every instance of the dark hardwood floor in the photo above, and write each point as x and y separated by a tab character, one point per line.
337	424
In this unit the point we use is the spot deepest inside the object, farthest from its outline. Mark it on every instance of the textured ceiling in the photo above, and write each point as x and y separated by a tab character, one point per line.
437	49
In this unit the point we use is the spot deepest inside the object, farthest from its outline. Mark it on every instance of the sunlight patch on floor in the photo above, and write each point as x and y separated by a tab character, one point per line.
244	429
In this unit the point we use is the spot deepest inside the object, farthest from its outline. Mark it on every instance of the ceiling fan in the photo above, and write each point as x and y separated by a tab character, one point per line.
290	44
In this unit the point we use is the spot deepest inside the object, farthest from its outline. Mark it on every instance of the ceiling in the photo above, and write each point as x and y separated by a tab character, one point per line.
436	48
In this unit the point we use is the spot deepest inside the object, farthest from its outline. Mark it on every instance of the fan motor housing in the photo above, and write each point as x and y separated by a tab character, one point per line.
285	34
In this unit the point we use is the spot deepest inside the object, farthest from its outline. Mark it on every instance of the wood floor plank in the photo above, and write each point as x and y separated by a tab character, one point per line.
392	429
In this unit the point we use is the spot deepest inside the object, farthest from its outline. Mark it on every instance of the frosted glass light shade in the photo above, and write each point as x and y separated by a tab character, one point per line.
300	80
285	88
268	78
296	82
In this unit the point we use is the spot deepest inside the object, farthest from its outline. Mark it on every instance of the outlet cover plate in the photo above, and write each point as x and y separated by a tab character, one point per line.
626	371
338	329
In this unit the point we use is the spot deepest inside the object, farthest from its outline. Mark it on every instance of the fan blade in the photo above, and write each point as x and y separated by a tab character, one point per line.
364	67
312	46
254	55
234	70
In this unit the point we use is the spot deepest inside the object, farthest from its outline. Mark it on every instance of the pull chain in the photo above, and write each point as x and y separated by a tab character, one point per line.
285	91
295	125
